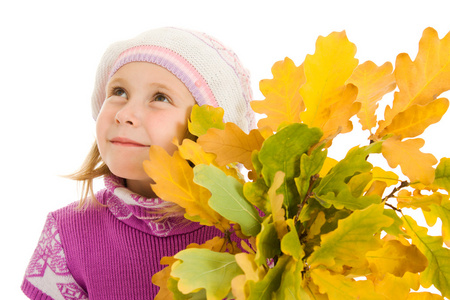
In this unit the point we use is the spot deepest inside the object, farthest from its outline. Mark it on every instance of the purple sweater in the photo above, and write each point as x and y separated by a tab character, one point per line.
107	252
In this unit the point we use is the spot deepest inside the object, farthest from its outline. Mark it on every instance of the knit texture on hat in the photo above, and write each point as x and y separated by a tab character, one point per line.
213	73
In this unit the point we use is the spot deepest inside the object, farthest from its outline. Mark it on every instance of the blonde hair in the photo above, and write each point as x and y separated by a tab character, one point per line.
93	167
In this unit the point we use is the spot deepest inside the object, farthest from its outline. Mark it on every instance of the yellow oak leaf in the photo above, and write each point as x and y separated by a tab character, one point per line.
397	259
393	287
231	145
376	188
422	80
238	287
339	287
283	102
276	202
316	227
173	179
390	178
327	166
192	151
418	166
251	270
415	119
373	83
326	74
416	200
424	296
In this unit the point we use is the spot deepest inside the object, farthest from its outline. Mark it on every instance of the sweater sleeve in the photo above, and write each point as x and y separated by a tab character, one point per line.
47	276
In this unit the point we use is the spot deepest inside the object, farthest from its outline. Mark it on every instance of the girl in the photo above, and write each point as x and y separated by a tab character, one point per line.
144	91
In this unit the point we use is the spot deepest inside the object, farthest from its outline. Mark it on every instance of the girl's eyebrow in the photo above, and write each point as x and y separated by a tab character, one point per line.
116	80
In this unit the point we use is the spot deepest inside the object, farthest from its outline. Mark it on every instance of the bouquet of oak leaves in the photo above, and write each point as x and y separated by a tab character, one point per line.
313	227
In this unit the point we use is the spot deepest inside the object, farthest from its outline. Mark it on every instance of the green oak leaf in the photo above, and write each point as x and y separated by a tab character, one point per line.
442	212
353	237
205	117
227	198
290	243
310	165
256	193
282	152
205	269
394	228
442	174
438	270
267	243
291	282
172	285
263	290
336	187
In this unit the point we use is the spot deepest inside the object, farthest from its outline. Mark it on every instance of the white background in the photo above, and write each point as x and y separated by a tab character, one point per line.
49	54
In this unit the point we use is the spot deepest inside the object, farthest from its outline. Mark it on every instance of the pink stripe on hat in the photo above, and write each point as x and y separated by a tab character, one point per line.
212	72
173	62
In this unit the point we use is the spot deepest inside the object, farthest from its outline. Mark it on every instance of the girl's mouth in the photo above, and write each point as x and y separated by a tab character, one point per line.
121	141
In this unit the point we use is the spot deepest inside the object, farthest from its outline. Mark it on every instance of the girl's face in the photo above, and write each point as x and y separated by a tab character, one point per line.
146	105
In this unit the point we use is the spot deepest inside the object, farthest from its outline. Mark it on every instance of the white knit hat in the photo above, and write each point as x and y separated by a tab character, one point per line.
212	73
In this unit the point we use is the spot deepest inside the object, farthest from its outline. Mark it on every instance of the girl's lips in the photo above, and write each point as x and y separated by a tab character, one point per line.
121	141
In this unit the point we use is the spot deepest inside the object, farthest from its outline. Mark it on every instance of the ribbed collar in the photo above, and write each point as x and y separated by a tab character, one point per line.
140	212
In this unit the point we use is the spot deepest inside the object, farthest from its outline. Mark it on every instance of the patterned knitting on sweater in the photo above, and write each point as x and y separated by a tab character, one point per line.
107	252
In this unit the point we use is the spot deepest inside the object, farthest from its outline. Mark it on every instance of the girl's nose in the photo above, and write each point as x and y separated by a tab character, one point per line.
127	115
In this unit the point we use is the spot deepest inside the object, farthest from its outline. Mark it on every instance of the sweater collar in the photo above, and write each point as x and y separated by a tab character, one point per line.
142	213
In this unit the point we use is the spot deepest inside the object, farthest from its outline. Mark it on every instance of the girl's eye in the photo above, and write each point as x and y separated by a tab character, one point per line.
161	98
120	92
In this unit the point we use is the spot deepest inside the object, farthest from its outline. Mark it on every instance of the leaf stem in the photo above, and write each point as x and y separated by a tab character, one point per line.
308	194
395	190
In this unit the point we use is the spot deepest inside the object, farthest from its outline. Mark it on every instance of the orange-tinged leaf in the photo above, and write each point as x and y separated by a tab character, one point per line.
396	259
418	166
415	119
283	102
231	144
424	79
161	279
373	83
326	74
336	117
193	152
173	179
